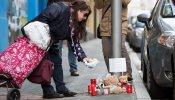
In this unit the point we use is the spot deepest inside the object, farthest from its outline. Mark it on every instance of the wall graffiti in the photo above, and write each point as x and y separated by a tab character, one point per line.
17	17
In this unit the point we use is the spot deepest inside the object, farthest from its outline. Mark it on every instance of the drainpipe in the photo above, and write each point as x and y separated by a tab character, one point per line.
116	28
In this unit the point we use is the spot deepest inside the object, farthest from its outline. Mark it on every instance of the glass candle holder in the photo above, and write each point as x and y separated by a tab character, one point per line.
129	88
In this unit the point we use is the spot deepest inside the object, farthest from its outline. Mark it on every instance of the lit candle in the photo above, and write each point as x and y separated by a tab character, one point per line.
93	87
129	88
89	89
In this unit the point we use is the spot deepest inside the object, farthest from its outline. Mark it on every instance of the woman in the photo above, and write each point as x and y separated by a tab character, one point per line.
71	57
66	21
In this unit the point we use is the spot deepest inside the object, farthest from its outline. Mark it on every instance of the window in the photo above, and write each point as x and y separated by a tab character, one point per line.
168	9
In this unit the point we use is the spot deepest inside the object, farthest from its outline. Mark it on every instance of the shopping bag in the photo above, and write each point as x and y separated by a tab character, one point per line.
43	73
39	33
98	32
20	59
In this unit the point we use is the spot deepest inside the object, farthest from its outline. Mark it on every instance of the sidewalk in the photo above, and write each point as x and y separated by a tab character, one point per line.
79	84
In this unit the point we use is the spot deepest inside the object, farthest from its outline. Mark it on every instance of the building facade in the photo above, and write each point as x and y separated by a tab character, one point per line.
13	15
16	13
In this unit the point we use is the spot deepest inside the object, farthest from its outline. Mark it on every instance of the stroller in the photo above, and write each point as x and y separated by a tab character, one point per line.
20	59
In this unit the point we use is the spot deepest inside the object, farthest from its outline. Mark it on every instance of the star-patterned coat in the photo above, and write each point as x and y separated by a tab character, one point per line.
57	16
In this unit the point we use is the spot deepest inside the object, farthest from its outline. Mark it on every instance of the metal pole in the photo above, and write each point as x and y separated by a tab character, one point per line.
95	23
116	28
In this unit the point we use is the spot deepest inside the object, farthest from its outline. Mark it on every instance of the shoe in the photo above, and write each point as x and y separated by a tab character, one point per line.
74	74
51	96
68	93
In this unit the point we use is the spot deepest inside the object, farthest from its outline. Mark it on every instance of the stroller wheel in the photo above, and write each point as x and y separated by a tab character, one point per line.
13	94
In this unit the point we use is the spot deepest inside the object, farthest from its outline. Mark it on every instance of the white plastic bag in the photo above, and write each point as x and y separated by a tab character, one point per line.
38	32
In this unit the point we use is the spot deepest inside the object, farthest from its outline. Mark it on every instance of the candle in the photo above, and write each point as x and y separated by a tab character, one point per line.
89	89
93	81
129	88
93	87
93	90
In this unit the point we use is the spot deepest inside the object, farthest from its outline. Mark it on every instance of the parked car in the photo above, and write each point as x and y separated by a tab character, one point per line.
157	48
135	31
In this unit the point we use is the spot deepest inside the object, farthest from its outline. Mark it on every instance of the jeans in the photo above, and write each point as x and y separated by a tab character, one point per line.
107	51
54	56
71	57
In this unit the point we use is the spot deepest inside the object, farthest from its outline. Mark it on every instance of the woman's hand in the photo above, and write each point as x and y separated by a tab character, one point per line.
90	62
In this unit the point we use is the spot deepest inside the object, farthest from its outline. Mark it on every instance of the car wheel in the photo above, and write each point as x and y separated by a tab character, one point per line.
143	64
144	70
136	49
154	90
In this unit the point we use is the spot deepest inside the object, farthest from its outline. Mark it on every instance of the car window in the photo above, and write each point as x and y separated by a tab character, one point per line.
168	9
154	12
154	9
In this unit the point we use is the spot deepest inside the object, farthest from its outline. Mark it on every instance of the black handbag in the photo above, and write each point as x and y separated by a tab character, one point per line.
98	32
98	28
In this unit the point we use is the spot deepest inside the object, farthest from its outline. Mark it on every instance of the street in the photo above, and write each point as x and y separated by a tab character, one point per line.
30	91
150	38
